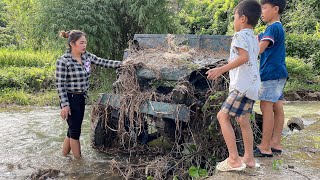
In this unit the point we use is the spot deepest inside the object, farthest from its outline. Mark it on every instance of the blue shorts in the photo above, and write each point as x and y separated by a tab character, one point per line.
237	104
272	90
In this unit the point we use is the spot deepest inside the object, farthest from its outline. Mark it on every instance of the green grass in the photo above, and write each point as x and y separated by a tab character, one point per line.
29	78
28	58
297	85
22	97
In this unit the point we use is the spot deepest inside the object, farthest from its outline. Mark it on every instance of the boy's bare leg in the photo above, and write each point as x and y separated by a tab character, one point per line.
66	146
230	139
75	148
278	125
267	126
247	136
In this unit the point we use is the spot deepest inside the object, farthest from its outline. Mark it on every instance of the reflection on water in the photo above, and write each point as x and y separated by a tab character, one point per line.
31	139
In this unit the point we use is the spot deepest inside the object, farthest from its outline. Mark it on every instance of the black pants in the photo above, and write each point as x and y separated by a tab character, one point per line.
77	107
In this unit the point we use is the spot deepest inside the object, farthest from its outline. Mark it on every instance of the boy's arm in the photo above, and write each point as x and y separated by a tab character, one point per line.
267	38
263	45
242	58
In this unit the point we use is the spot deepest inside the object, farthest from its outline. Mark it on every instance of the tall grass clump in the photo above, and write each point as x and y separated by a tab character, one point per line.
28	78
28	58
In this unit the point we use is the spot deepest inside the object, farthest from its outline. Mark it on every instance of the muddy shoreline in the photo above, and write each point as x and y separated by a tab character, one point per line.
299	160
302	96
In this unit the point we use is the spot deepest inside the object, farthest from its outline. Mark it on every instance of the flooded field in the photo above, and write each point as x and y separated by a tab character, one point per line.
32	138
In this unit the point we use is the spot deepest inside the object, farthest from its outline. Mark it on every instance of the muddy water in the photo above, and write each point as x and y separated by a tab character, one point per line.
31	139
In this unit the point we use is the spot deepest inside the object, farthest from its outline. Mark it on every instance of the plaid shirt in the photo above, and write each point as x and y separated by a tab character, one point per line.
73	77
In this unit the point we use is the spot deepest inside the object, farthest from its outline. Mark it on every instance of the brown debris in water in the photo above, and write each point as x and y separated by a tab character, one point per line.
44	174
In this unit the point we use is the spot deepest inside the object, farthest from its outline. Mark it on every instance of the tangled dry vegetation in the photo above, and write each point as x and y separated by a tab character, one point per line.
163	148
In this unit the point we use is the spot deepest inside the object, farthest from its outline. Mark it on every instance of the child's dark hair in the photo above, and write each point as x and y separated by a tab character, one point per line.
280	3
251	9
72	35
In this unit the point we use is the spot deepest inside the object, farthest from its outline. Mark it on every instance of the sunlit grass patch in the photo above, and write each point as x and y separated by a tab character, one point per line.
28	58
22	97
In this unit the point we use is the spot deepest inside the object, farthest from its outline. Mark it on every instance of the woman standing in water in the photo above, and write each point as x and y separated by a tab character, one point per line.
72	81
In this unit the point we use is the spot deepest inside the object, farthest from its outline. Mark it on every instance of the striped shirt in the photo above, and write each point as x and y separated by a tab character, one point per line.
72	76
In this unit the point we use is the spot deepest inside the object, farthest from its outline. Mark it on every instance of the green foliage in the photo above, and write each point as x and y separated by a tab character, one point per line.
21	19
34	24
22	97
302	76
207	17
304	46
34	72
153	16
197	172
315	60
12	96
6	38
108	24
3	20
150	178
298	68
276	164
298	19
28	78
216	96
101	81
27	58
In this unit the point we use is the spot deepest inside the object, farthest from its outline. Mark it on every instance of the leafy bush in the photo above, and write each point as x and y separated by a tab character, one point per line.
297	68
3	20
301	76
302	45
6	39
315	59
27	78
12	96
298	19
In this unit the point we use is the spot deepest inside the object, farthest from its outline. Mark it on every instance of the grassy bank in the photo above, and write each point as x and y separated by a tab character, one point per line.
27	78
303	77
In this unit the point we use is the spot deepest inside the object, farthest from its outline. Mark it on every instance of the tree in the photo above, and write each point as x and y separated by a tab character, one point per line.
207	16
298	17
19	17
109	24
3	21
6	37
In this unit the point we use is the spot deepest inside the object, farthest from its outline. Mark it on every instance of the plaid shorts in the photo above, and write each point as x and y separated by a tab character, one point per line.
237	104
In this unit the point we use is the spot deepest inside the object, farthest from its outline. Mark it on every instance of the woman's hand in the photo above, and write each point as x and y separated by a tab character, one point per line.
65	112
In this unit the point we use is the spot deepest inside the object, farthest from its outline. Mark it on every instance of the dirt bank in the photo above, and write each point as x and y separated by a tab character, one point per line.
302	96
